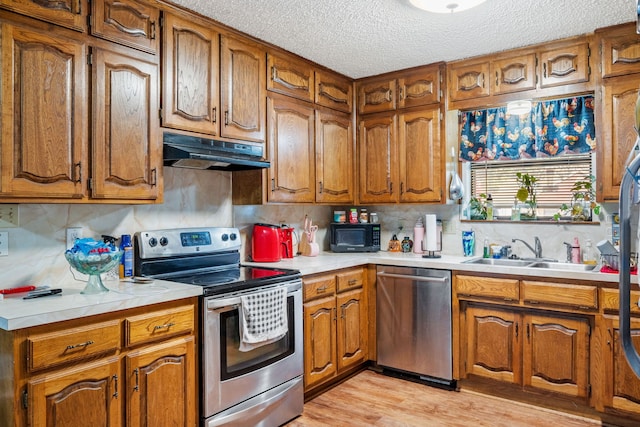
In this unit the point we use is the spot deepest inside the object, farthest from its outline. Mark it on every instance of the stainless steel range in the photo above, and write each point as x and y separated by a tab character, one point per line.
242	384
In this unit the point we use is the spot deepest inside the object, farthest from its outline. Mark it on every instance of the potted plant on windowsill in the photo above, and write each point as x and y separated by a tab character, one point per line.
478	207
527	195
583	201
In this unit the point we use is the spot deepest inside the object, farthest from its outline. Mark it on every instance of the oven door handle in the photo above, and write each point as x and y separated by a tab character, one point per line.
215	304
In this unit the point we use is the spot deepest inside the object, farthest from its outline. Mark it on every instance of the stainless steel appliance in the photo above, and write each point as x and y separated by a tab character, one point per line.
414	324
259	387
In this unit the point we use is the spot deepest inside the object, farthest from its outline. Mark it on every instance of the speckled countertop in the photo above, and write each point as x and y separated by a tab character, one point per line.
16	313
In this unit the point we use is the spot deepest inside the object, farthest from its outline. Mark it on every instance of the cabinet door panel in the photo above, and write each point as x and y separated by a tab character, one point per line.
243	88
419	88
43	86
126	146
565	66
320	341
620	50
493	344
67	13
190	76
334	91
513	74
161	385
617	133
378	165
334	158
556	354
291	152
83	395
622	387
127	22
377	96
468	81
420	156
351	328
290	77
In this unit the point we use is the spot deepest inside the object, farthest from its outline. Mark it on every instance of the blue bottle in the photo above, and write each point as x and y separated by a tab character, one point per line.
126	262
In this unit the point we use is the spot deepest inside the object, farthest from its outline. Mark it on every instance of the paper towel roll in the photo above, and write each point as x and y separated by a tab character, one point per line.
431	233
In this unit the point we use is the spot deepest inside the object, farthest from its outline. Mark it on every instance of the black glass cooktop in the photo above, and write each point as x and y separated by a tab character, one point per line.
235	278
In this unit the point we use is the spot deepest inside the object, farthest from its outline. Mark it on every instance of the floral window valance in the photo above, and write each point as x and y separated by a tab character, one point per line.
552	128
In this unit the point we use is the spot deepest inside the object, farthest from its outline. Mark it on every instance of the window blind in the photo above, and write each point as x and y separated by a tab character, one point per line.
555	177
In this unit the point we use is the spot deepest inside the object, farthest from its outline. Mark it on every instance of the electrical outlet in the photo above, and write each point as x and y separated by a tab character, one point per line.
448	227
9	216
4	243
73	233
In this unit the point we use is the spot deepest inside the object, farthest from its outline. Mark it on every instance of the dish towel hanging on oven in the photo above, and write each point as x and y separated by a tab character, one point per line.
263	318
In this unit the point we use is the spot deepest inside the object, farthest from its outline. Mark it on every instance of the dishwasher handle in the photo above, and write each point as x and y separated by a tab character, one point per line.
417	278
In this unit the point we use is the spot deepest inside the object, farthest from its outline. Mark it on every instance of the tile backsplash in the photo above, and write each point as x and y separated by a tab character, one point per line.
203	198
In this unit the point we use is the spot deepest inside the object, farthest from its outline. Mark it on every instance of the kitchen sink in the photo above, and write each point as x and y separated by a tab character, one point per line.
500	262
563	266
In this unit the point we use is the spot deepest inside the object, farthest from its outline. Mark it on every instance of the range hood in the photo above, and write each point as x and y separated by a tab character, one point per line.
201	153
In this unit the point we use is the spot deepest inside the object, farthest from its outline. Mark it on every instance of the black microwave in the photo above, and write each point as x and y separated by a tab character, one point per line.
359	237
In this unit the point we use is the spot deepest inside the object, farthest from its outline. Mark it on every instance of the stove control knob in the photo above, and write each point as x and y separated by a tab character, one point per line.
225	237
164	241
153	242
233	236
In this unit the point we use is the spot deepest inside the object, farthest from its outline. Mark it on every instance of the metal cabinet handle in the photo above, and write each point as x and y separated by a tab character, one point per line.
84	344
497	80
528	331
137	386
153	30
544	70
352	282
154	177
78	168
214	114
226	118
321	187
516	329
165	326
321	289
115	386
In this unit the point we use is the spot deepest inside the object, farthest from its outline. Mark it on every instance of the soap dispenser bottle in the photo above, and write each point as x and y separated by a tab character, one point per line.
575	252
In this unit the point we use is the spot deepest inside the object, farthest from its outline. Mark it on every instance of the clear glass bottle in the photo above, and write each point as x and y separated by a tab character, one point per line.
515	211
588	255
489	208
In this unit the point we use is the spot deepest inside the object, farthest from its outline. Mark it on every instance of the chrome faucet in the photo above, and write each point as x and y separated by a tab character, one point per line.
538	246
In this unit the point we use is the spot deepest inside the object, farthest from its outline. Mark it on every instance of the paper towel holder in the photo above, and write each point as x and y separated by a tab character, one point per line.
431	252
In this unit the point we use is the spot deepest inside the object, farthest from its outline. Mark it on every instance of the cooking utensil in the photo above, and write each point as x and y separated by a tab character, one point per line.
4	293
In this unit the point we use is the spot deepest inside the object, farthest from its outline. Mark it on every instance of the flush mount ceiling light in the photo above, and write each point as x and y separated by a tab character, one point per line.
445	6
519	107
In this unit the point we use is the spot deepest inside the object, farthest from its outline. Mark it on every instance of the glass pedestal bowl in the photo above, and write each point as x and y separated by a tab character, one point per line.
93	265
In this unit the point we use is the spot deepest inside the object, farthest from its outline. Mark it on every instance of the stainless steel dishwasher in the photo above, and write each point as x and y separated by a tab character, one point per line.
414	324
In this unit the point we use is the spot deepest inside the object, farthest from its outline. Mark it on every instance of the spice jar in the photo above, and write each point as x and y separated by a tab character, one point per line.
364	218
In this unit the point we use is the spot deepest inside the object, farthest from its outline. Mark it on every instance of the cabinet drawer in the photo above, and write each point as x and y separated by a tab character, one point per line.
610	300
504	289
318	287
159	325
576	296
350	280
50	349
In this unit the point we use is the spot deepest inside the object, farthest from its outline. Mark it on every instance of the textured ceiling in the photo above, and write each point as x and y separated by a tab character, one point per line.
361	38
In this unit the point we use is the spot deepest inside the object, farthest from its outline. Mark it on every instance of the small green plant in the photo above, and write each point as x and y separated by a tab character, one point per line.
527	194
478	207
583	201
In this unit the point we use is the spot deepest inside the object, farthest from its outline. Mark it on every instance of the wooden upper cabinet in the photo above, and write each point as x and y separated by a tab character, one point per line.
128	22
291	151
616	132
333	91
43	85
378	159
420	87
420	156
190	83
468	81
66	13
290	77
565	65
376	95
620	47
513	74
334	158
243	89
127	148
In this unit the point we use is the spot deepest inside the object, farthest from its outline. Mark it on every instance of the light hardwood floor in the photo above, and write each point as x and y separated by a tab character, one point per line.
372	399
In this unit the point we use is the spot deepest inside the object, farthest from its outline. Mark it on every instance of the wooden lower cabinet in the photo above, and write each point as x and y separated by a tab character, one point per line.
103	378
335	325
543	351
161	376
622	387
89	394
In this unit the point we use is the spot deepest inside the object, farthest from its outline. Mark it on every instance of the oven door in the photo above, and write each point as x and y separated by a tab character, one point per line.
230	376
